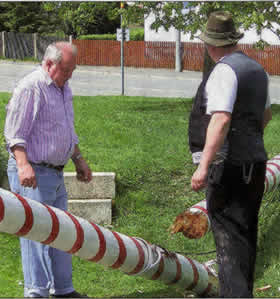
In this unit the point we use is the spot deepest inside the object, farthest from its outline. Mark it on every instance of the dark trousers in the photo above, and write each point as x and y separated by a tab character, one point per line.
233	208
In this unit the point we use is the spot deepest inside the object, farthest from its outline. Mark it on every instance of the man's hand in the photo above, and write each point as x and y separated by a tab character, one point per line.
83	171
27	176
199	179
26	172
216	132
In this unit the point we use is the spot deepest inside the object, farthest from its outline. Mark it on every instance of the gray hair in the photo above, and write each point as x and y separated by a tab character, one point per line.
54	51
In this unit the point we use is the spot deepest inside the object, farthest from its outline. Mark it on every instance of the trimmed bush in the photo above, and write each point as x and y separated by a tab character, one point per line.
135	34
98	37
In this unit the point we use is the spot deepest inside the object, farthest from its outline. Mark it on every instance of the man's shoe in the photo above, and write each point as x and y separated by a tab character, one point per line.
70	295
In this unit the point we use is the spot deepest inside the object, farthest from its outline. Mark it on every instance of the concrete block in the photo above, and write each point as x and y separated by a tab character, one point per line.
80	203
102	186
95	210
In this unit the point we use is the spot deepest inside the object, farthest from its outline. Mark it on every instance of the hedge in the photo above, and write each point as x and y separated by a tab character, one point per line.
134	35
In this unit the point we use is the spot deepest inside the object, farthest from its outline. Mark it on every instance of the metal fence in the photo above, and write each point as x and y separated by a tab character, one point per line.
16	45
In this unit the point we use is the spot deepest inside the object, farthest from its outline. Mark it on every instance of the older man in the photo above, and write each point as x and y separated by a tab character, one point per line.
229	114
40	137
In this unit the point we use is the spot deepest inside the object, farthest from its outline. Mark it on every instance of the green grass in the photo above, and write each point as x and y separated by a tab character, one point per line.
144	141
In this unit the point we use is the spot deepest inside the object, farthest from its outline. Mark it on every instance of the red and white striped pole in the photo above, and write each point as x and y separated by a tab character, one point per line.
272	177
60	229
194	223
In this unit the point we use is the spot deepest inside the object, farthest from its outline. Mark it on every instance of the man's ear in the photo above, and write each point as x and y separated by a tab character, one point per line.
49	64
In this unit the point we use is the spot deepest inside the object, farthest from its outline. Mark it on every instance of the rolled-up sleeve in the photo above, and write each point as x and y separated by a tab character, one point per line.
221	89
21	114
76	138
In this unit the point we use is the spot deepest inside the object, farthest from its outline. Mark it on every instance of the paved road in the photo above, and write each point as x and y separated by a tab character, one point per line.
91	80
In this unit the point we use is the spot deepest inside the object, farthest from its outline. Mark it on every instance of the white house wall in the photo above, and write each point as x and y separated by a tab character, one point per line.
162	35
250	36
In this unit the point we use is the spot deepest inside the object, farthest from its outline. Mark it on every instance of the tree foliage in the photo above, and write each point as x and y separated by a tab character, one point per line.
192	16
69	17
94	17
28	17
79	18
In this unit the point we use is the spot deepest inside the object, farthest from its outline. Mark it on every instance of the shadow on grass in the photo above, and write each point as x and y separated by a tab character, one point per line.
160	106
275	109
3	165
164	292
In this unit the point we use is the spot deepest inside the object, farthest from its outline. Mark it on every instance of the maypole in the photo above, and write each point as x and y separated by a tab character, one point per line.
194	223
134	256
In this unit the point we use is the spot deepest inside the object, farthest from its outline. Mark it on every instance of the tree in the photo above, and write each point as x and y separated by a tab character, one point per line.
27	17
79	18
190	17
3	10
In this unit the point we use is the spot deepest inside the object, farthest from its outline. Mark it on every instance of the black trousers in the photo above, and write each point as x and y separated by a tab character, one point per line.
233	208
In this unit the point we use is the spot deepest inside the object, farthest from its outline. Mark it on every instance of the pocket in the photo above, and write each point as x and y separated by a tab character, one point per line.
14	181
215	174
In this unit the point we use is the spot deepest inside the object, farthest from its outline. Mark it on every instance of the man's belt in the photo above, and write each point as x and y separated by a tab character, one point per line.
56	167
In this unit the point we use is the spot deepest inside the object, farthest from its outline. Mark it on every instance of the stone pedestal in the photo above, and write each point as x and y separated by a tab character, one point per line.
91	201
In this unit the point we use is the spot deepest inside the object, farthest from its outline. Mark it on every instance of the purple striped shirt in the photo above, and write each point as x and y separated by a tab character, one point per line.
40	118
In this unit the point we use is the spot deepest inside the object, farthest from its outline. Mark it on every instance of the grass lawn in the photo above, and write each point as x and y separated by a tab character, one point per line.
144	141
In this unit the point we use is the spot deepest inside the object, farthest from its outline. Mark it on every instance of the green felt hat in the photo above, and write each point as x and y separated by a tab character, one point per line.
220	30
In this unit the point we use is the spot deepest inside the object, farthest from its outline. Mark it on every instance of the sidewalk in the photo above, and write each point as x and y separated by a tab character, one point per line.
99	80
89	80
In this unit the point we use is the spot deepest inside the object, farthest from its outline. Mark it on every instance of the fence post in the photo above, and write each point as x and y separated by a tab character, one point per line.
178	58
3	44
70	39
35	45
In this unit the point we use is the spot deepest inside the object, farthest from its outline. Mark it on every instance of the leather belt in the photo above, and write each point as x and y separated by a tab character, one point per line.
56	167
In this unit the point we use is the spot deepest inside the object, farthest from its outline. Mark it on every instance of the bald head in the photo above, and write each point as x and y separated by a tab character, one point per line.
60	61
55	50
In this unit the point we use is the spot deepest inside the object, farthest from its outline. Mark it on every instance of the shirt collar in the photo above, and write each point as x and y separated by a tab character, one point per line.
222	58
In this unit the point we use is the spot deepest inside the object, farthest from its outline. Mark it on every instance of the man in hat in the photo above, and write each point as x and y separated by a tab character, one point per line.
230	112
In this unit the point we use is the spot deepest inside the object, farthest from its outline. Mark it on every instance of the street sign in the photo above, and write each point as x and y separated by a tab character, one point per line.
119	34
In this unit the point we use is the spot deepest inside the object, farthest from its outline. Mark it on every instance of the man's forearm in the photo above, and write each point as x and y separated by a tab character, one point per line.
216	133
26	173
20	155
267	117
77	154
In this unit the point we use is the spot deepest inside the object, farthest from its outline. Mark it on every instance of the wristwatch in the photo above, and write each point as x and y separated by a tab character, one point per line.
77	157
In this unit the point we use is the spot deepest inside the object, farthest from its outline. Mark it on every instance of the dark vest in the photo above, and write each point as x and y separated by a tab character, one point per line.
245	138
198	120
